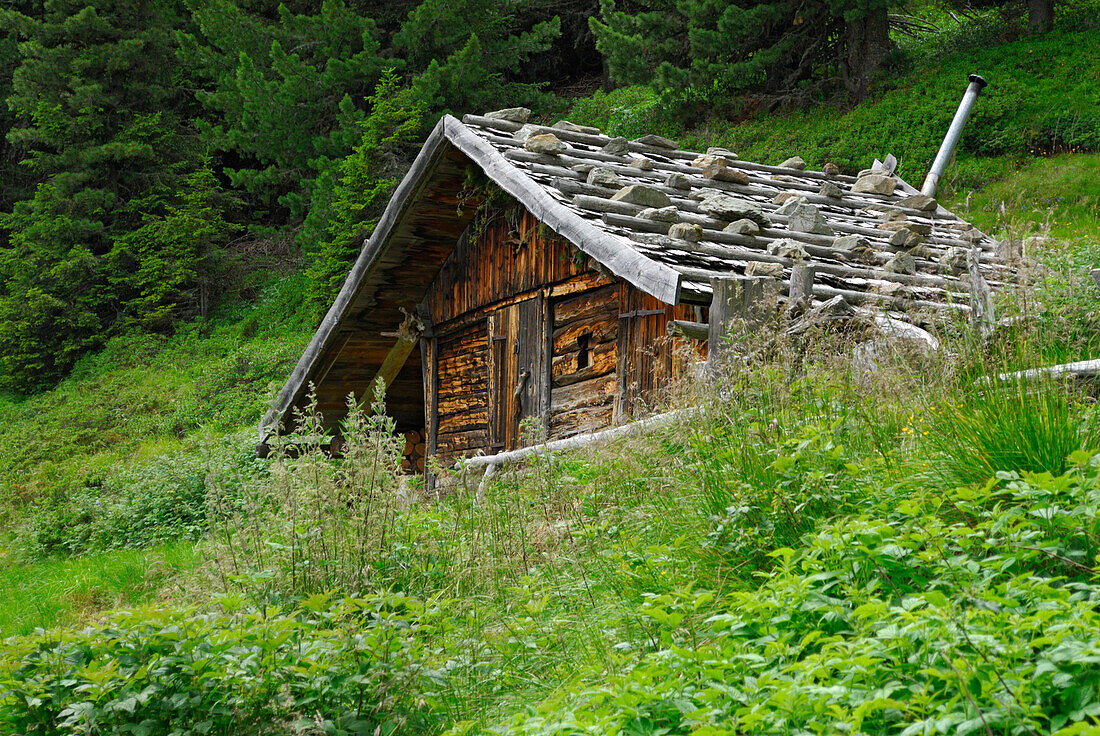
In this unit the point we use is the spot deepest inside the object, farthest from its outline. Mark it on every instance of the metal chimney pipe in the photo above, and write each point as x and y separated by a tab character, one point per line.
932	181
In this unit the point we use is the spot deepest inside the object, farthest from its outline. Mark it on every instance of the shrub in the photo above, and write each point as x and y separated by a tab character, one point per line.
311	523
950	614
140	506
331	665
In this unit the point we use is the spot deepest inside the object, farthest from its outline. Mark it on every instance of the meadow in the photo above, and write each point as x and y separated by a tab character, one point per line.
811	551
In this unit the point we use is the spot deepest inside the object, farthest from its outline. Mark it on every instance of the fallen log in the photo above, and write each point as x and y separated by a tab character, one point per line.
491	463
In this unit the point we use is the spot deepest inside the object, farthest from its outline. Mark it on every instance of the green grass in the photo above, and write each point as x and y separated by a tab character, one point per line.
143	396
1056	195
56	592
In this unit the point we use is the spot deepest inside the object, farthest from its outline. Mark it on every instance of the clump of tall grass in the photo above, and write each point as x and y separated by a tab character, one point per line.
1015	424
315	523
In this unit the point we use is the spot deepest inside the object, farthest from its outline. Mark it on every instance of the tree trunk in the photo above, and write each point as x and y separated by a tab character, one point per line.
868	40
1040	15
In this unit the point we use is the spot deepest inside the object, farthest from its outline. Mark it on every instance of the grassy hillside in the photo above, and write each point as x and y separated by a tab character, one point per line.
810	552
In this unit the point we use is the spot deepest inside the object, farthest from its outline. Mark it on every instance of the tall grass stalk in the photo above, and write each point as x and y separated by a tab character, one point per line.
1011	425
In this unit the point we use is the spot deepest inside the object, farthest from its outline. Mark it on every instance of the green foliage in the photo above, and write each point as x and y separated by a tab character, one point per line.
285	94
937	615
16	179
98	120
1023	426
344	211
167	266
144	395
142	505
315	525
337	665
631	112
702	54
468	55
1026	110
1056	195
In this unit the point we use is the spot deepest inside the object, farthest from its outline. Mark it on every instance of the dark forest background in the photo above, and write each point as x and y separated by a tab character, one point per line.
156	155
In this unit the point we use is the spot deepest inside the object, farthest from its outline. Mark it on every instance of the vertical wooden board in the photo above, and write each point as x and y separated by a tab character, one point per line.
492	262
498	380
546	375
532	360
512	402
433	389
647	360
517	363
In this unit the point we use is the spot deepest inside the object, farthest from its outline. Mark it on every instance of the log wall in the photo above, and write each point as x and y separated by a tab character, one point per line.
584	355
514	300
462	399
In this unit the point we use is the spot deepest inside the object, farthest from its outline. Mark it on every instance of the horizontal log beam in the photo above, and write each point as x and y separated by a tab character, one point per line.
683	328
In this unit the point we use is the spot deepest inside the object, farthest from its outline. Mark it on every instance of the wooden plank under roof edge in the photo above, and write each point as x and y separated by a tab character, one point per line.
618	257
322	339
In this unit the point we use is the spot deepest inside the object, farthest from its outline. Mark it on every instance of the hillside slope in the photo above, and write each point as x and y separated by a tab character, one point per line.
810	553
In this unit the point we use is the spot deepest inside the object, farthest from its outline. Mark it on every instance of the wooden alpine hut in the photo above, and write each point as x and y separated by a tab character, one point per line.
532	271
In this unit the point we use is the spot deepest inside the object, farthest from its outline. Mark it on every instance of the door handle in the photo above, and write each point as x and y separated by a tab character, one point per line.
521	384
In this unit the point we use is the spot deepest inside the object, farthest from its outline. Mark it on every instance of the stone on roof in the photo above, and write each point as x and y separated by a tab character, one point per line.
510	114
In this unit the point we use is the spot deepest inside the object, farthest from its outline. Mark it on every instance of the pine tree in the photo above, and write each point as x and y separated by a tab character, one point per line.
700	53
97	116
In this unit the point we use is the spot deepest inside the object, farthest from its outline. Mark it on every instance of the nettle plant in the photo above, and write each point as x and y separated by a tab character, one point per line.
317	522
331	665
971	610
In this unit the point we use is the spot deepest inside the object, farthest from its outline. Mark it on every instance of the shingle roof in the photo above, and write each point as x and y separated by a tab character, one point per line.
609	220
687	180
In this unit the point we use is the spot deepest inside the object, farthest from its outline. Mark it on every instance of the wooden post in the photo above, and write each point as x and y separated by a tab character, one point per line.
737	303
408	335
981	297
801	295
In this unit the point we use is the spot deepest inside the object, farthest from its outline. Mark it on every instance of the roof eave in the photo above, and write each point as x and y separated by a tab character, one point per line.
656	279
403	196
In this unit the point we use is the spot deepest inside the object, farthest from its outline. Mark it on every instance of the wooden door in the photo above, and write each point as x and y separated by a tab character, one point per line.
518	375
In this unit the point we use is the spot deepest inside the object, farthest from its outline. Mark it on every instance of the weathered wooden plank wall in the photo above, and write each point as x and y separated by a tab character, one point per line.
584	353
508	255
649	358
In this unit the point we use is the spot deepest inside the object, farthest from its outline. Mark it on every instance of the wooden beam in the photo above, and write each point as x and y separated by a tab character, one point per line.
981	297
738	305
407	334
693	330
800	296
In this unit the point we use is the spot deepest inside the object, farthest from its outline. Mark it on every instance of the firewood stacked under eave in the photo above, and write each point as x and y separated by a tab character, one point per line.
415	450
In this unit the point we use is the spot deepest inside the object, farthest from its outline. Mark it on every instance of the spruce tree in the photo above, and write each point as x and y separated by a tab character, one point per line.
285	97
704	53
96	115
468	55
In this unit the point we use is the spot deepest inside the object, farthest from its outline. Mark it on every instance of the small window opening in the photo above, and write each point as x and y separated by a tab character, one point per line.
582	350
